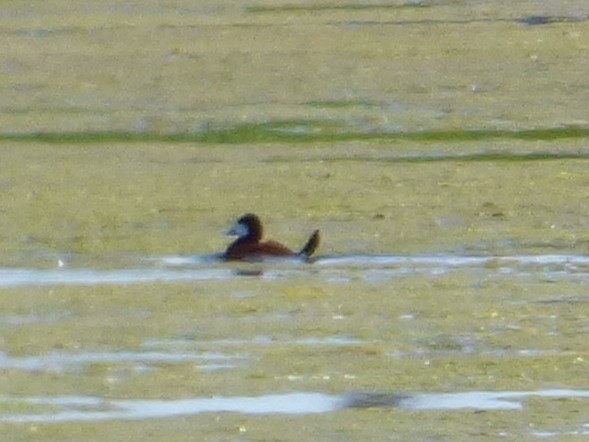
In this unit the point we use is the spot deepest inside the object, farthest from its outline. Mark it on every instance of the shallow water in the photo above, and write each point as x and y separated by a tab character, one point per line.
440	148
61	361
161	337
84	408
333	269
228	352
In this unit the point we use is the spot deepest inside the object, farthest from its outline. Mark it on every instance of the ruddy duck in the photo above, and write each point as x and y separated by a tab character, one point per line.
248	245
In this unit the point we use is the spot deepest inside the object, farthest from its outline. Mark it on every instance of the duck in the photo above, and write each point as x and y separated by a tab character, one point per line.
249	244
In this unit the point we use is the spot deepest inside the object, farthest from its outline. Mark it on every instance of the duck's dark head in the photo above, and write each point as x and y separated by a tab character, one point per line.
248	227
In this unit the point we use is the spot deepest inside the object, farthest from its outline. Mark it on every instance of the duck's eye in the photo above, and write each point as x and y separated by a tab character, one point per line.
238	229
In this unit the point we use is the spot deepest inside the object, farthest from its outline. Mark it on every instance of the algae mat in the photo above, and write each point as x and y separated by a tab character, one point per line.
377	197
441	147
440	272
191	67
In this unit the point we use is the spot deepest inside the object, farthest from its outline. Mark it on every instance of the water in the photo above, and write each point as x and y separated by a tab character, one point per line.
406	126
230	352
67	361
86	408
372	268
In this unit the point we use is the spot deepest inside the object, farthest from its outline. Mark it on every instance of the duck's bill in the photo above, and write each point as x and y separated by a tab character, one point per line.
238	230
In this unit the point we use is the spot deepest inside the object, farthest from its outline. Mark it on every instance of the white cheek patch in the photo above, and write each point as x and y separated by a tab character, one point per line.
239	230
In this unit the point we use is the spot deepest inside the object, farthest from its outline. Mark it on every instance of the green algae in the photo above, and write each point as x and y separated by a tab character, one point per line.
335	7
186	68
166	198
456	332
299	132
414	130
498	322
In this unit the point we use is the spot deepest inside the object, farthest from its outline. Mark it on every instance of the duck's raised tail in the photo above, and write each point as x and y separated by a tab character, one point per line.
311	245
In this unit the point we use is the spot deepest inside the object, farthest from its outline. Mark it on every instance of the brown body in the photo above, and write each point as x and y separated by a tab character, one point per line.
249	249
249	244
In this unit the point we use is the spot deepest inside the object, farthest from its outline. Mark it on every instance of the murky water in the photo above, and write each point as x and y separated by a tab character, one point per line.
441	148
234	354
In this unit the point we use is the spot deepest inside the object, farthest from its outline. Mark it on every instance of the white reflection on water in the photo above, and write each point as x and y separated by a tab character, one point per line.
262	340
82	408
334	269
63	276
85	408
61	361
